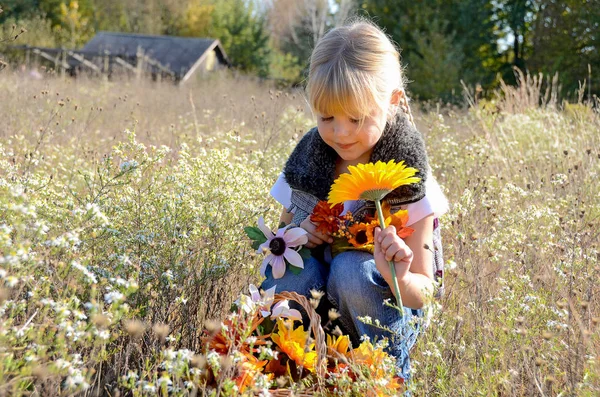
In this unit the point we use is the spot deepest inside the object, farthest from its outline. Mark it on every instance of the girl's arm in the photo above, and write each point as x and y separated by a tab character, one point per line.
286	217
411	260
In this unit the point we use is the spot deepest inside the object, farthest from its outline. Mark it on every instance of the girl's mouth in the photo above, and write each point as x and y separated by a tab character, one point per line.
345	146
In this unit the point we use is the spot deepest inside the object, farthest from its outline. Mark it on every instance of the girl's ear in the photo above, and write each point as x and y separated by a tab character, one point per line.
397	97
396	101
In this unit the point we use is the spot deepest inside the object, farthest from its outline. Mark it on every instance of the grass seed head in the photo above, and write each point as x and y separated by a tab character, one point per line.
547	335
316	294
212	326
198	361
135	328
333	314
161	330
101	320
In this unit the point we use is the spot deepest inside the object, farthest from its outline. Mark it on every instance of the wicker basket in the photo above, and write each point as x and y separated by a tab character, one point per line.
320	344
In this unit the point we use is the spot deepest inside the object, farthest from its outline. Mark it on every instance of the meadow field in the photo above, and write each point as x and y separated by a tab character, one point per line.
122	214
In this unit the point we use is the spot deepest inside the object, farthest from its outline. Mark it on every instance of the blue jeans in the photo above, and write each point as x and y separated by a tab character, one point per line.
356	288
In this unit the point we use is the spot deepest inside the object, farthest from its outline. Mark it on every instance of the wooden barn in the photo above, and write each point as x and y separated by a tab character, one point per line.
176	58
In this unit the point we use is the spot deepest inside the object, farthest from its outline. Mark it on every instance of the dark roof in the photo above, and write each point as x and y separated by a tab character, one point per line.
178	54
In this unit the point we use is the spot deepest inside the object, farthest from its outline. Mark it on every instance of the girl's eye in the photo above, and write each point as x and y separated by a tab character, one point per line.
326	118
355	121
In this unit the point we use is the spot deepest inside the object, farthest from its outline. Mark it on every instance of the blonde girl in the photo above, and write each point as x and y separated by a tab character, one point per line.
356	90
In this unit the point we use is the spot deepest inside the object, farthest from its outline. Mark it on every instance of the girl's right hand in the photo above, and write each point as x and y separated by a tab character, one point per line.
315	237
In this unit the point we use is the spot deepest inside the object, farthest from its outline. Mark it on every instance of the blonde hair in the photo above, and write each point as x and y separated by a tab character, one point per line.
354	68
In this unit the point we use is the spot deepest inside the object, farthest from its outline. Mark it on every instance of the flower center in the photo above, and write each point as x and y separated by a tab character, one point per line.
277	246
361	237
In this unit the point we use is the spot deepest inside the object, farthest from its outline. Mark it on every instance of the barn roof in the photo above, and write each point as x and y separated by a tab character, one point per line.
179	54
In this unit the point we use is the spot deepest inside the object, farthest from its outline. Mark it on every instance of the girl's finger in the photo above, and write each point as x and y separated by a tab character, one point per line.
392	251
403	255
314	239
388	241
311	228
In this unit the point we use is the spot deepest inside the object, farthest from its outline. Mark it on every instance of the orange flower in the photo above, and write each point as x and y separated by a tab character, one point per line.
326	217
248	368
398	219
361	234
369	356
294	343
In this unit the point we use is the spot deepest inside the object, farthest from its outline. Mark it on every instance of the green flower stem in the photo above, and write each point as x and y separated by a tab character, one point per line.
392	267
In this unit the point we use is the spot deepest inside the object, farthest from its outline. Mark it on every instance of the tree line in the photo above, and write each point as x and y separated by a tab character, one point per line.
443	42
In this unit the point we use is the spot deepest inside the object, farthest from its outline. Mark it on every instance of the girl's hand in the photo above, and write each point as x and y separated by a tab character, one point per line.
315	237
390	247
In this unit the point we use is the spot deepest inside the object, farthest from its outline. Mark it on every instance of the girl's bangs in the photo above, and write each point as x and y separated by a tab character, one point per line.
342	93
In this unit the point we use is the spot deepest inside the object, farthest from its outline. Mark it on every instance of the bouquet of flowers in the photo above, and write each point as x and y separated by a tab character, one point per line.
349	233
263	347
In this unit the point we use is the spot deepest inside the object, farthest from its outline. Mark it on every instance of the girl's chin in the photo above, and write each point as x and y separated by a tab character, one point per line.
353	159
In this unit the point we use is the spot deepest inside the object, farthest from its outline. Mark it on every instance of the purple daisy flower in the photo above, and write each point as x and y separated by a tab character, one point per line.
280	248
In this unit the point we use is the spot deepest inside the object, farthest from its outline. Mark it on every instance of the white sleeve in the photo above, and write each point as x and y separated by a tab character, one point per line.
282	192
434	202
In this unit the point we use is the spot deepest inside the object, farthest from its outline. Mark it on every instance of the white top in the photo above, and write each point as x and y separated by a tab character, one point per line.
434	202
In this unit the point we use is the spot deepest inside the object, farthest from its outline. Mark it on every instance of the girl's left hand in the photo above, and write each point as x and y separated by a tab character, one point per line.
390	247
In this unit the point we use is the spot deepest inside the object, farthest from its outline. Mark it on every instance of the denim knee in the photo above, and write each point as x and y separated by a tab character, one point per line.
354	278
357	288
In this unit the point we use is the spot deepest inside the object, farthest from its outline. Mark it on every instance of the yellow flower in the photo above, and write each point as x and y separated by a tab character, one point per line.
293	342
340	345
371	181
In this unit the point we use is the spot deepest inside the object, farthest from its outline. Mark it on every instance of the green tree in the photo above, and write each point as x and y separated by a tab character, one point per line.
241	28
515	18
428	47
18	9
474	28
566	39
435	68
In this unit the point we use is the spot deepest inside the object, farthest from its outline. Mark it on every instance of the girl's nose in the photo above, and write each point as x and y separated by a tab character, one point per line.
341	129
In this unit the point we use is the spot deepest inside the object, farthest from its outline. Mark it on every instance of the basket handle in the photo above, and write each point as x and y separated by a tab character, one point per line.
315	325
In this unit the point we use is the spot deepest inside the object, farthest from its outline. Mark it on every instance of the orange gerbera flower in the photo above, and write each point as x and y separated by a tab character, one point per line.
398	219
361	234
294	343
326	217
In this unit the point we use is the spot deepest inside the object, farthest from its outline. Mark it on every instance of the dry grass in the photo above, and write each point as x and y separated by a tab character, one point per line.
520	316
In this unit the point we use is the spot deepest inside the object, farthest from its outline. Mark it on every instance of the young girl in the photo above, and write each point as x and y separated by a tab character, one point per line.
356	90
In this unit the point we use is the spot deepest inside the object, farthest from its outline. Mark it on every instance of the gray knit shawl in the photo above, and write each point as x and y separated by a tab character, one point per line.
311	166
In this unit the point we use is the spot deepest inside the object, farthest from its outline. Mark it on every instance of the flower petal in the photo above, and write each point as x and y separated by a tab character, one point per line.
295	237
270	295
264	246
263	228
278	265
281	231
293	314
254	293
265	263
294	258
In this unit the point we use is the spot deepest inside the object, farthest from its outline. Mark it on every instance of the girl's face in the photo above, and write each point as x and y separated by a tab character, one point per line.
353	141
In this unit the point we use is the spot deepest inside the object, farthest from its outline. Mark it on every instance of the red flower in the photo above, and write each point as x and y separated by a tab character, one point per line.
327	218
